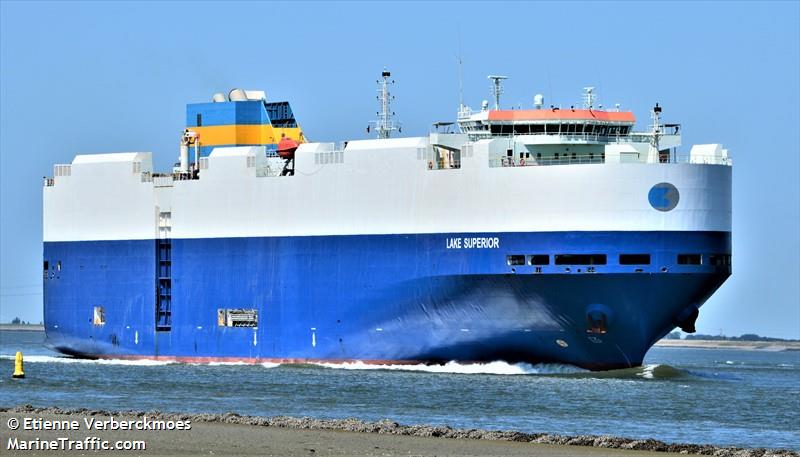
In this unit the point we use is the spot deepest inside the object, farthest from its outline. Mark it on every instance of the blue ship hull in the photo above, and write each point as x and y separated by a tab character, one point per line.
379	298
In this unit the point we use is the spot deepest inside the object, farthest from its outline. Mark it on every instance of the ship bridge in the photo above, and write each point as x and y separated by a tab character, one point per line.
559	136
550	125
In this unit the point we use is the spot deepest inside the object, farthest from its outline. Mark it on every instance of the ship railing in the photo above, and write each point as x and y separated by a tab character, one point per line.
545	161
163	180
705	159
568	159
62	169
632	137
562	137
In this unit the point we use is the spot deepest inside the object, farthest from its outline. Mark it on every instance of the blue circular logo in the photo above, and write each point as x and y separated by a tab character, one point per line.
663	196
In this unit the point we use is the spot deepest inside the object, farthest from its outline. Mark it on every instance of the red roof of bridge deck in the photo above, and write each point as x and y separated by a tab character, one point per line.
561	114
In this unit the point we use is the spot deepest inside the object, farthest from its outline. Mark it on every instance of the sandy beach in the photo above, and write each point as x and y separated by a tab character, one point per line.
231	434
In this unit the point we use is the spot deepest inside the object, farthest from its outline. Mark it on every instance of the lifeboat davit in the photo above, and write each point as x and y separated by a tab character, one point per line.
286	148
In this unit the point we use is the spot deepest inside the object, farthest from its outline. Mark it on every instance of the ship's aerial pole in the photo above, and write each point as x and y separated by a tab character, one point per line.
497	89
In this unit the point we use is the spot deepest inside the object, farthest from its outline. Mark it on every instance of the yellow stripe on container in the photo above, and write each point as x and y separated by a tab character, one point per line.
243	134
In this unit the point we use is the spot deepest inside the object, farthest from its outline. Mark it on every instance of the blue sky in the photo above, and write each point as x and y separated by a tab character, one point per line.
105	77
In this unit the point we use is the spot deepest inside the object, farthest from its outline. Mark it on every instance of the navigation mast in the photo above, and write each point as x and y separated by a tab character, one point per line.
384	125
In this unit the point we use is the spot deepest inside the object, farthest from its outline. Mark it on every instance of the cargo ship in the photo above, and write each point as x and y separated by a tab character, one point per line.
548	234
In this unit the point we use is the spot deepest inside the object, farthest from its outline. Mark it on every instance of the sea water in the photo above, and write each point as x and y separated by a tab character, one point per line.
707	396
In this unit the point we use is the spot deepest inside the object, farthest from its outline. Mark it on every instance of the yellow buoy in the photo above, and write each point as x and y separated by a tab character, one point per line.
18	371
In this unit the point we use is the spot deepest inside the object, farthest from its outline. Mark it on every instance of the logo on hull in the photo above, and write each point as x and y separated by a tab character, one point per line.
664	196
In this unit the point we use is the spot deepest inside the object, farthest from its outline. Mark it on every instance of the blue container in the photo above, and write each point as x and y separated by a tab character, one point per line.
226	113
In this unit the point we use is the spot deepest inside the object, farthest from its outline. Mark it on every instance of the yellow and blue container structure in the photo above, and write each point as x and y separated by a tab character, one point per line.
242	123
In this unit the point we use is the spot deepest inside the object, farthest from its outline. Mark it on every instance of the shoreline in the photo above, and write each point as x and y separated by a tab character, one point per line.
346	435
22	327
776	346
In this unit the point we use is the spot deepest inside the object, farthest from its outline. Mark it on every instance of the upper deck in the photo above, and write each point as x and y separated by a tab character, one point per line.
566	136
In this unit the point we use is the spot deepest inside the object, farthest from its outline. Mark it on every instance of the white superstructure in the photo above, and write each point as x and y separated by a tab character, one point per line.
380	187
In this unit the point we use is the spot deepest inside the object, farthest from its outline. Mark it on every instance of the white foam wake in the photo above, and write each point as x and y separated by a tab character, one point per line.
58	359
238	364
498	367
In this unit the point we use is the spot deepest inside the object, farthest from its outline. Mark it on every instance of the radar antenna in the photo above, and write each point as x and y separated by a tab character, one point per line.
384	125
497	89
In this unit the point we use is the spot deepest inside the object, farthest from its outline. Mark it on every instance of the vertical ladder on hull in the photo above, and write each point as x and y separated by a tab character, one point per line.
164	274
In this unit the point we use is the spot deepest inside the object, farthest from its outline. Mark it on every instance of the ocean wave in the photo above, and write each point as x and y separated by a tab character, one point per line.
496	368
653	371
658	371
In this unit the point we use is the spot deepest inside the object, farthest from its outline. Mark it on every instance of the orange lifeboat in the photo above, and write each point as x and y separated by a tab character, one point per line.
286	148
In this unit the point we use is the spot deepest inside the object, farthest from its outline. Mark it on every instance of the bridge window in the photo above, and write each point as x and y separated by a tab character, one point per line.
540	259
689	259
537	128
580	259
634	259
515	260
